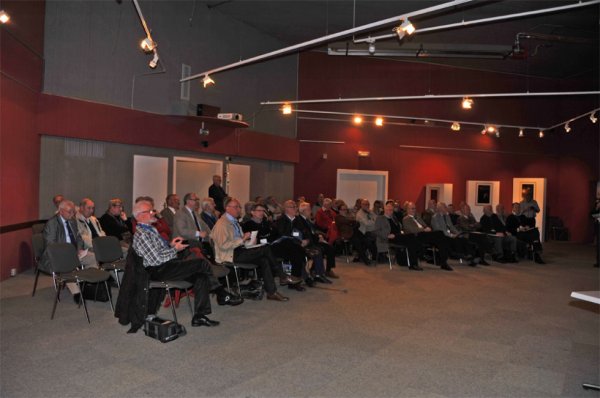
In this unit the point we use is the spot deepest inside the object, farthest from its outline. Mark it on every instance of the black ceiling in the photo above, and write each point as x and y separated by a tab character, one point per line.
562	44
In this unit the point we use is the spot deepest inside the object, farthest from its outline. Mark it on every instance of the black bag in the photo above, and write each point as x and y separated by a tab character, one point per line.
163	330
96	292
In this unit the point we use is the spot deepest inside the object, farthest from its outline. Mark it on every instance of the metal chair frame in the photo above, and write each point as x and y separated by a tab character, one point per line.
109	255
169	286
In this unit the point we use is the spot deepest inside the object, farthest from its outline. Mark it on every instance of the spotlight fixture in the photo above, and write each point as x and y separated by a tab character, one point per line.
148	45
455	126
484	130
467	103
521	134
490	128
286	109
154	61
379	121
4	17
357	120
497	133
541	133
567	127
371	45
206	80
593	118
405	28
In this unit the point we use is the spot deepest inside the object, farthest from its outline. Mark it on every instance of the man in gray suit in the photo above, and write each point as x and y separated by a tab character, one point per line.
168	213
62	228
460	245
188	224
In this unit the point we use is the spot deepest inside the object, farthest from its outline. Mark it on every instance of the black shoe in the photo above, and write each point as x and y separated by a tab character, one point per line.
229	299
310	282
483	262
472	263
77	298
202	320
538	259
322	279
355	259
446	267
415	268
298	287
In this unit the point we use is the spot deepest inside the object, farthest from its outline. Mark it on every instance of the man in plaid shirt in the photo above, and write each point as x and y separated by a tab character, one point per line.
164	261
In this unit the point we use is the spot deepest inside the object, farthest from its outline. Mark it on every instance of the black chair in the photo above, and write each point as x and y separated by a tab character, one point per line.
109	255
236	267
395	248
169	286
64	265
37	247
38	228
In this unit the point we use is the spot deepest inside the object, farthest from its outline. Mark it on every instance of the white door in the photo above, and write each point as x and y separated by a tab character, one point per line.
239	182
366	184
150	178
194	175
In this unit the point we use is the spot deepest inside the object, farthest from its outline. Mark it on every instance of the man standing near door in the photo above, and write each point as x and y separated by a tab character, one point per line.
217	192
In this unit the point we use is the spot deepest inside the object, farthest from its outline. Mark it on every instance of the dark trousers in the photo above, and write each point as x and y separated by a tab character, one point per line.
462	246
263	258
437	239
411	243
196	271
329	254
290	250
361	243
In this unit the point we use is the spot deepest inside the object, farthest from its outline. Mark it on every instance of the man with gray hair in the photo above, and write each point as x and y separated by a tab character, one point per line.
62	228
166	261
87	224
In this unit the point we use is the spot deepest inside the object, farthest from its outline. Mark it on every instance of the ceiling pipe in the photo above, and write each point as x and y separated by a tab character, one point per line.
431	96
326	39
463	24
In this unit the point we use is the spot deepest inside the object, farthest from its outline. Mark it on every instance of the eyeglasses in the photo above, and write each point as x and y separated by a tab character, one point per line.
235	206
148	211
116	205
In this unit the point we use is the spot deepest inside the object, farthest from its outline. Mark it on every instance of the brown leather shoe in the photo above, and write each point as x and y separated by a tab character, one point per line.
331	274
277	297
289	280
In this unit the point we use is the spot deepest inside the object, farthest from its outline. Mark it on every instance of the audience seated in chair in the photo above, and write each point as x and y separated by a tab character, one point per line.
413	224
458	244
348	230
520	227
428	213
115	222
172	206
325	216
390	231
229	239
209	214
315	238
505	244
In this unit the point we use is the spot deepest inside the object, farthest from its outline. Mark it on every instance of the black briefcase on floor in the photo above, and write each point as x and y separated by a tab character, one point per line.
164	330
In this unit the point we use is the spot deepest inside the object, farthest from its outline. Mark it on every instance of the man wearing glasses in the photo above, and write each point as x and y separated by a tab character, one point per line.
115	222
229	241
166	261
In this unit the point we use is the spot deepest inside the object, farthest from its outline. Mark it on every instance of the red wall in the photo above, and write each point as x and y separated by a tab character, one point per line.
569	163
20	82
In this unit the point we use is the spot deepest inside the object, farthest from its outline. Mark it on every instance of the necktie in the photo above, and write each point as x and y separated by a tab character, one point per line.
71	235
238	230
196	221
92	229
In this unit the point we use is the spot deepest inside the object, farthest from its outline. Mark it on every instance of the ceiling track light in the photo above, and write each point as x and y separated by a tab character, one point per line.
379	121
541	134
148	45
593	118
497	133
521	134
154	61
467	103
286	109
455	126
567	127
206	81
371	46
484	130
405	28
357	120
4	17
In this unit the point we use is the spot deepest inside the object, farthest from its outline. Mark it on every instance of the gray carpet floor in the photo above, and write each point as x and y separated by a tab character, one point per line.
500	331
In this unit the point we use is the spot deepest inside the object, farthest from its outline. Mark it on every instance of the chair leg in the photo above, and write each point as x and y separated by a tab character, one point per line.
109	296
56	297
87	315
187	292
172	305
407	257
389	256
37	275
117	279
237	278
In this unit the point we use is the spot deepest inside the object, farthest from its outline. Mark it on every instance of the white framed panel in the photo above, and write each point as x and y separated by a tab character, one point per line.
367	184
440	192
539	195
194	175
239	182
150	178
480	193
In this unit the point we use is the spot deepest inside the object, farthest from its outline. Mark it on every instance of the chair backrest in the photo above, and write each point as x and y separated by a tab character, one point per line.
37	228
107	249
63	257
37	245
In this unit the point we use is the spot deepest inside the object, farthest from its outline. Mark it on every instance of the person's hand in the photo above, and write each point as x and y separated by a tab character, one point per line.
304	242
321	238
391	236
427	229
123	216
246	236
203	234
499	234
177	245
